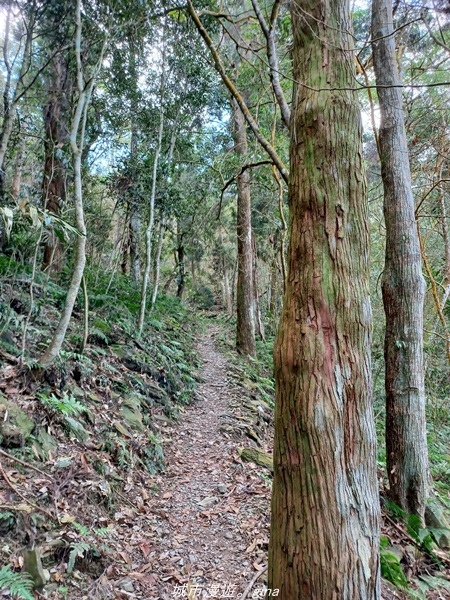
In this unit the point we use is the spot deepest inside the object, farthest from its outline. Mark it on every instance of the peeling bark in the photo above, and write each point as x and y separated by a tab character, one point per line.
325	506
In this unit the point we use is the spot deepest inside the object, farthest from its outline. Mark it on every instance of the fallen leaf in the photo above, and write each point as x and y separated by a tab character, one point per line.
67	519
145	548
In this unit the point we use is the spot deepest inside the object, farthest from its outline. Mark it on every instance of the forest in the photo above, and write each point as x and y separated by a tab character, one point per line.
225	299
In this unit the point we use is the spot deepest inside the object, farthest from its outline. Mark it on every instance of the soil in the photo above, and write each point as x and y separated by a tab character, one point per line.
211	511
197	530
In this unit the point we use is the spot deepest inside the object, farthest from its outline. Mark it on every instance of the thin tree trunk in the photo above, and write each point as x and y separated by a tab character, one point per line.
245	293
284	227
226	290
273	287
227	299
76	143
259	325
134	202
269	31
17	177
403	285
181	267
135	218
10	103
162	229
149	230
156	278
325	505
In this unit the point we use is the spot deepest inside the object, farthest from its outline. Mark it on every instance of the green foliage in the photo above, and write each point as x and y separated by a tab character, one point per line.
77	550
204	297
391	568
7	521
422	535
76	428
67	405
20	585
152	454
80	528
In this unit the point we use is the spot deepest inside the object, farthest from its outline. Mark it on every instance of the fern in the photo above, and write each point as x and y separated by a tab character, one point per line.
78	550
81	528
20	585
103	531
67	405
99	334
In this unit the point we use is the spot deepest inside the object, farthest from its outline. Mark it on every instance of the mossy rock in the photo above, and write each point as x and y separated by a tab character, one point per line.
257	456
131	411
15	425
133	418
76	391
44	443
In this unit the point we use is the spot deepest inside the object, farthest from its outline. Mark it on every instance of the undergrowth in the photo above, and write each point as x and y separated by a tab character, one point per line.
99	412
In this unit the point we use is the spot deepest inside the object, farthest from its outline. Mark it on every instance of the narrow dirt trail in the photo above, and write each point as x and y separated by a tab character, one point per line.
210	513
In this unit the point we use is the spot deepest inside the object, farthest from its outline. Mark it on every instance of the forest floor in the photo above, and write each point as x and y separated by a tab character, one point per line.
212	511
106	528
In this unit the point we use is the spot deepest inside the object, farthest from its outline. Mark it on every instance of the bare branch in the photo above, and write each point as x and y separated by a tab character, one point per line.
237	96
269	34
233	179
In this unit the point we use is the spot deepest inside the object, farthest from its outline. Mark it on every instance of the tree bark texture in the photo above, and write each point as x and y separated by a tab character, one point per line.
402	284
245	292
157	263
134	201
54	181
325	506
181	265
135	215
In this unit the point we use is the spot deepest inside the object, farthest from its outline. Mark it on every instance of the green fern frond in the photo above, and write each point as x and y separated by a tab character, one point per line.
67	405
81	528
20	585
78	550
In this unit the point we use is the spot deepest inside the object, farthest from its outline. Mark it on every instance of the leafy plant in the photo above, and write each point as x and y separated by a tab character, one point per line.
20	585
391	569
78	550
67	405
7	521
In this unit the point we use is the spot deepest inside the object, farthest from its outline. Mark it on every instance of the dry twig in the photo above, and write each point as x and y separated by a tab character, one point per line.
252	583
25	464
16	491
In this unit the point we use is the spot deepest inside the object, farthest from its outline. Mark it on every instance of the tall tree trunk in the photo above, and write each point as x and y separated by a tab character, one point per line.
54	181
18	171
162	226
157	265
227	299
245	293
181	266
77	134
151	220
273	282
11	100
134	203
259	325
325	506
135	216
402	284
